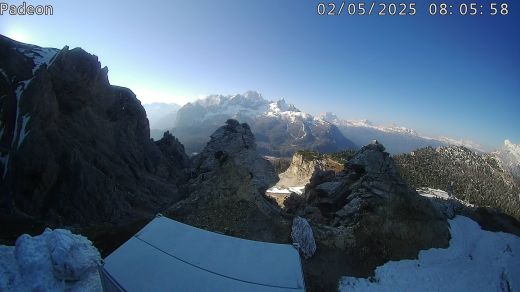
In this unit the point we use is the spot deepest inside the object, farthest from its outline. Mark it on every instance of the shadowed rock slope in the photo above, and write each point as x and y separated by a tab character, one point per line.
73	148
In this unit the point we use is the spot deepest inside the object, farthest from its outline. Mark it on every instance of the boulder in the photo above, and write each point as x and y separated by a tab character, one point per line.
302	237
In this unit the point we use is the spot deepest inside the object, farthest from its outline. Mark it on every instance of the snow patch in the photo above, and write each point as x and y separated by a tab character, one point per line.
19	91
21	87
433	193
289	190
4	160
476	260
440	194
56	260
39	56
4	74
23	130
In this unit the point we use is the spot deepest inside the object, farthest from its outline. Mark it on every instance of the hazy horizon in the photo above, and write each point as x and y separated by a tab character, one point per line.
443	76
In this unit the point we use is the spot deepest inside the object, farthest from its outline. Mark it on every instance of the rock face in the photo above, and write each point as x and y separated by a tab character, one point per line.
303	166
235	141
73	148
228	186
369	212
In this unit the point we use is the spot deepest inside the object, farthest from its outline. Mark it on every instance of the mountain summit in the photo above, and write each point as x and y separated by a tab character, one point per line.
509	157
280	128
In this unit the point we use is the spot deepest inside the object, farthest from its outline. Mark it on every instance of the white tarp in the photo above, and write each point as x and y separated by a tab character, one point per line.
167	255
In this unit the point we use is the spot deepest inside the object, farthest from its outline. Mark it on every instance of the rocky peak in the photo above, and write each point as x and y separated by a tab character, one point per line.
367	208
235	141
282	106
173	150
330	117
228	185
253	96
374	161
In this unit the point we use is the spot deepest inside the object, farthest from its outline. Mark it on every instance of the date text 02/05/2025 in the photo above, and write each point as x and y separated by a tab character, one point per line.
337	8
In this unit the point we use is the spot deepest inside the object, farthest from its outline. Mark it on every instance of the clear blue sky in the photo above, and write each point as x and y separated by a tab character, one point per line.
453	75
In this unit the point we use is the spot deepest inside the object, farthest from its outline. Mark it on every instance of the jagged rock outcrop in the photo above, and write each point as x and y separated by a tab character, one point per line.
235	141
176	160
73	148
381	212
228	186
369	212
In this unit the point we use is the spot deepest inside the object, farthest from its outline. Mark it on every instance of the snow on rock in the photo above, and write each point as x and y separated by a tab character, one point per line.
21	87
509	157
23	130
288	190
303	237
56	260
476	260
465	143
2	72
444	202
40	56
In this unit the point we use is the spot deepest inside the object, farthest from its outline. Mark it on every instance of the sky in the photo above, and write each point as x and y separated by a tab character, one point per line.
453	75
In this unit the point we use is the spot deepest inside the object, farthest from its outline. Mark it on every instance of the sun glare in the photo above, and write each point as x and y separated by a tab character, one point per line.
18	36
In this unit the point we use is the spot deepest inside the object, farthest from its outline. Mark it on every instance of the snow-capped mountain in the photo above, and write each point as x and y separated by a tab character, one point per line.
397	139
279	128
461	142
161	115
509	158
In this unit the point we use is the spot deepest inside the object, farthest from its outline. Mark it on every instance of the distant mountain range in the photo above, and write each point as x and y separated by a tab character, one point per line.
280	128
397	139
